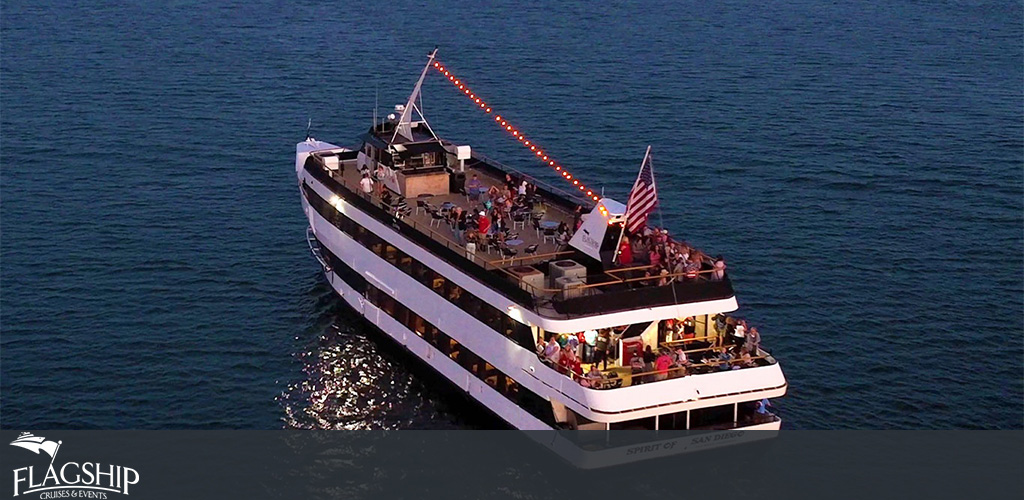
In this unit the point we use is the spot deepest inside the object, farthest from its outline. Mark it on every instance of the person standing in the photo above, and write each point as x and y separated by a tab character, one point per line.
366	185
589	342
601	347
753	341
719	273
661	364
483	223
625	252
460	226
739	333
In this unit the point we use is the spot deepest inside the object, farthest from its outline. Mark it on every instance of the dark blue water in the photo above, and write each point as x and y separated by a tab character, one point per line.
859	164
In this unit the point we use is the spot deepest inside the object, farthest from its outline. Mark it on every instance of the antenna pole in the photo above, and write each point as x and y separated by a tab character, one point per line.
376	95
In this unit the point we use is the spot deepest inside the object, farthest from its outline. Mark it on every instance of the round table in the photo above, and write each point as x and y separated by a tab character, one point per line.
514	243
549	224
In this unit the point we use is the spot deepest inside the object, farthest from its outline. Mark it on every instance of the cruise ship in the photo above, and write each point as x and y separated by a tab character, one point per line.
516	291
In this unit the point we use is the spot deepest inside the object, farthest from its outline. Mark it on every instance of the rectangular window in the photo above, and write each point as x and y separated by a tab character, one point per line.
401	313
419	325
391	254
420	273
437	284
404	263
387	303
453	292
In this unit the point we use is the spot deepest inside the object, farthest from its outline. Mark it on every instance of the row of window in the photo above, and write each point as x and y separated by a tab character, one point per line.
450	347
489	315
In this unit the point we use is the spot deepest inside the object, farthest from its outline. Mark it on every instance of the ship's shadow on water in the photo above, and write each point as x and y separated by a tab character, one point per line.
355	377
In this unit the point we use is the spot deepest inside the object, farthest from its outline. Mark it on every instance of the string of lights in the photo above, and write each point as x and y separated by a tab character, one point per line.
505	124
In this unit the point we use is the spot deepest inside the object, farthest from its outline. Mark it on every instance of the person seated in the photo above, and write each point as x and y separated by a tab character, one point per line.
636	363
647	281
562	239
724	360
552	351
567	362
593	377
680	357
474	187
745	361
692	268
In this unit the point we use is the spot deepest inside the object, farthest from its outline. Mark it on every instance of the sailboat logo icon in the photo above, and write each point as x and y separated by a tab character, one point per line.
35	444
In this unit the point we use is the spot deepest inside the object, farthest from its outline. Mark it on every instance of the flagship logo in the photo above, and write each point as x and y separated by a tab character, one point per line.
72	479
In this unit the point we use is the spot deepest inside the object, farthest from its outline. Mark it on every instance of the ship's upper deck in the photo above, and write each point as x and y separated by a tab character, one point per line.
530	260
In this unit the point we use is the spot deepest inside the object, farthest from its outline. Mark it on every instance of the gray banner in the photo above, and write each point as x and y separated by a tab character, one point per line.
510	464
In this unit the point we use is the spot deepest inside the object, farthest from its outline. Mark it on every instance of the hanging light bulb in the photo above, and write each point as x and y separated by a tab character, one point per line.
509	128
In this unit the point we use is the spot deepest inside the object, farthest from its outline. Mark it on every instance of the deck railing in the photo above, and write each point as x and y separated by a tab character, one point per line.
619	278
631	379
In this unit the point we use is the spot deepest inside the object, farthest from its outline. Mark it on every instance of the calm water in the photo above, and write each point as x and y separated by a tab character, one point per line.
859	163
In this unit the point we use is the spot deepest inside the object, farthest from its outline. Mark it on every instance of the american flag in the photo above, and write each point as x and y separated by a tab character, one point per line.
643	198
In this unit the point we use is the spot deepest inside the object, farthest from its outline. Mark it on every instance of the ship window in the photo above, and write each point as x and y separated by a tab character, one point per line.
715	416
454	292
391	254
404	263
470	361
387	303
469	303
429	333
417	324
417	270
438	284
359	234
491	317
401	314
511	389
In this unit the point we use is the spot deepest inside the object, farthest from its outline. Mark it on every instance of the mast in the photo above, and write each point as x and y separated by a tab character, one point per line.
404	126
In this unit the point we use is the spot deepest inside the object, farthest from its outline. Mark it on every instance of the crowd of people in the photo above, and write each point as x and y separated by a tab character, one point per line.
734	347
497	209
667	260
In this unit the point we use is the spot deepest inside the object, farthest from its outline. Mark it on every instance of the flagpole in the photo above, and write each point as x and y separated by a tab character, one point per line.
54	457
624	220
